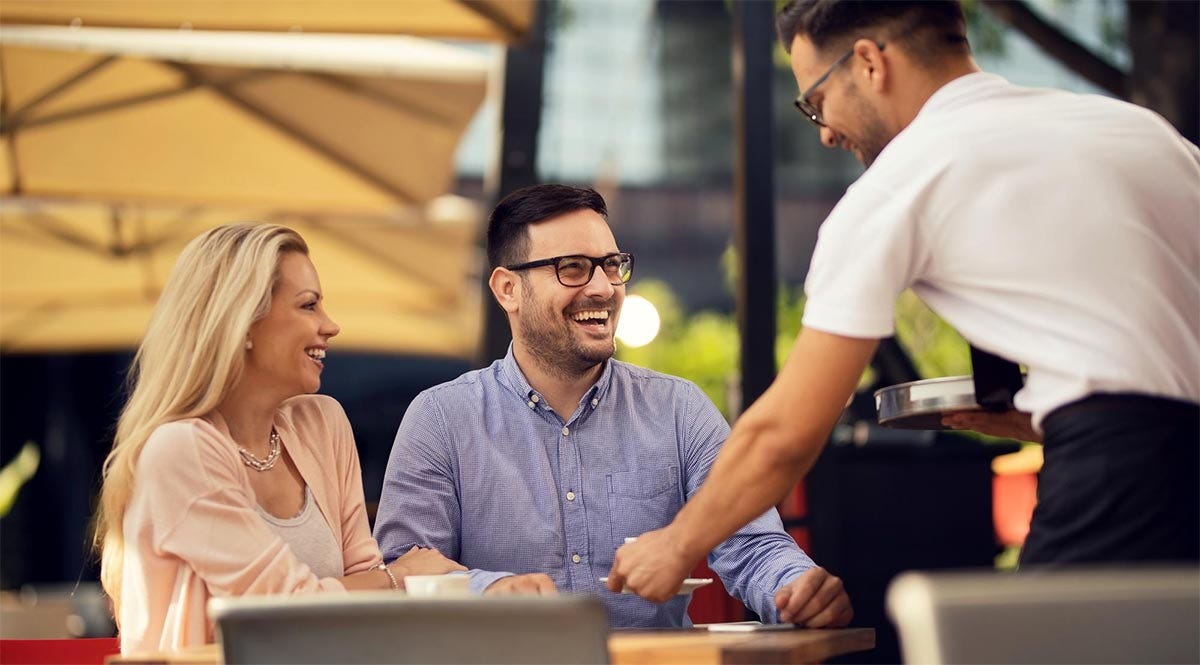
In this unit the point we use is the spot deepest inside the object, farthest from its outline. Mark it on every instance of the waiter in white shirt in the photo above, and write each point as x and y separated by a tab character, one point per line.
1059	231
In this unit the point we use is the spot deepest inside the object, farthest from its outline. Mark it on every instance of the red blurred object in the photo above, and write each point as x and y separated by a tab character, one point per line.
87	651
712	604
1014	496
794	505
800	535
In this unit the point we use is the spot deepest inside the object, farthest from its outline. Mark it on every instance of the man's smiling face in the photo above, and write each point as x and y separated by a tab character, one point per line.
569	329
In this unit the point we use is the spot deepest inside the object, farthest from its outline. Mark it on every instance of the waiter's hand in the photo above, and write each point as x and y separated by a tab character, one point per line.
1010	424
816	599
652	567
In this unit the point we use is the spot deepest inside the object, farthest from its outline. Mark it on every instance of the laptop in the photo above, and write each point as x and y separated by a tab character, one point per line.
1119	615
386	627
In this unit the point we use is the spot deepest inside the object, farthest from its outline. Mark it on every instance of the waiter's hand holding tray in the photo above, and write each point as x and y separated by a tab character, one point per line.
920	405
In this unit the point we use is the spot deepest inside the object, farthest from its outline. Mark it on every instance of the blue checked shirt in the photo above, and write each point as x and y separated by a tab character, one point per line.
486	472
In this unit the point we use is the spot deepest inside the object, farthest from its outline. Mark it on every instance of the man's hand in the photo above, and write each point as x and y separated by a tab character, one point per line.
531	584
816	599
652	567
1010	424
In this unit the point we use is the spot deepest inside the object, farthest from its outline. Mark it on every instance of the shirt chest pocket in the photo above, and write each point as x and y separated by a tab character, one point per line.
642	500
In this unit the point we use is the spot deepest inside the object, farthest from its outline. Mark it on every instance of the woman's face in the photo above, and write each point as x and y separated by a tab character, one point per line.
290	341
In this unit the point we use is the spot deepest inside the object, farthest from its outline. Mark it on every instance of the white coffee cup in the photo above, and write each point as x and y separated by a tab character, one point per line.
428	586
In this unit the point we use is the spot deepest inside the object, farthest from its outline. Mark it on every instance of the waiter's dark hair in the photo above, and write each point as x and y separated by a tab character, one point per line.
508	235
926	30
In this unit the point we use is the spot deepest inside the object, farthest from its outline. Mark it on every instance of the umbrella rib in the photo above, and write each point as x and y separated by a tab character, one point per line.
382	256
145	248
51	226
123	102
14	169
299	135
146	263
404	105
11	123
511	31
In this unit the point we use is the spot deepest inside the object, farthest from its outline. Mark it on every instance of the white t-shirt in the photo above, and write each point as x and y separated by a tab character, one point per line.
1060	231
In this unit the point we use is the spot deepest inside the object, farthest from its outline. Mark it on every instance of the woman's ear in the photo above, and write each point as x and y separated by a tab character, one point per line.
506	288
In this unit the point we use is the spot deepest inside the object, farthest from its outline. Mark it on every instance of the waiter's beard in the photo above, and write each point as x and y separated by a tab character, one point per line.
873	135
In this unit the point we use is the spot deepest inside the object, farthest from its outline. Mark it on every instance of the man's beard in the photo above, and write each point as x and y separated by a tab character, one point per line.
555	348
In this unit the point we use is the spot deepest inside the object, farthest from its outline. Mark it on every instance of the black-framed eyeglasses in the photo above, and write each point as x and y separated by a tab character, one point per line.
577	270
809	109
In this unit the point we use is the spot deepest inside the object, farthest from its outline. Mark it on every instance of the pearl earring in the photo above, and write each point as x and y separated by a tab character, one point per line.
249	345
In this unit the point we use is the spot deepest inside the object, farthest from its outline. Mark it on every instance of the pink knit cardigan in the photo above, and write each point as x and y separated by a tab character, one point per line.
192	531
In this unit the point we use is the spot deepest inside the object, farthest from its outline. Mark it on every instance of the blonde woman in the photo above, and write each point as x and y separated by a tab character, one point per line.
227	477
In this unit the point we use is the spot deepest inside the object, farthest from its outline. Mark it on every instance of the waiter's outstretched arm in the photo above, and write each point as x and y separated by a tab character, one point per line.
773	444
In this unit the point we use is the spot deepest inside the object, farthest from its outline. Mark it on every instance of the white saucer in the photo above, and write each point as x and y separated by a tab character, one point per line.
689	585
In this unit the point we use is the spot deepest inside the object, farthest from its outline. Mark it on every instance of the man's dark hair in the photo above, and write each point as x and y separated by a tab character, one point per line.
508	237
925	30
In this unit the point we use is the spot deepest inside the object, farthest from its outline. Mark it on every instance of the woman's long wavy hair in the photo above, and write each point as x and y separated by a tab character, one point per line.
192	354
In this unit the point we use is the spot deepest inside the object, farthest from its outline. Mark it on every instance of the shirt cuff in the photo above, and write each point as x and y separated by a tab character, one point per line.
482	579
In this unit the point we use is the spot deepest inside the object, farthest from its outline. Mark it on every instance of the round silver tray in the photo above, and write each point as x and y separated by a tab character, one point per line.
921	404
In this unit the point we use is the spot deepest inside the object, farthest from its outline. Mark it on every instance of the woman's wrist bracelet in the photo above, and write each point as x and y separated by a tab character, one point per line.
391	578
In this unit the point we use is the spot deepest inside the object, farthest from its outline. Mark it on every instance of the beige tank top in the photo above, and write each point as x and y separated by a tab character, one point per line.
309	536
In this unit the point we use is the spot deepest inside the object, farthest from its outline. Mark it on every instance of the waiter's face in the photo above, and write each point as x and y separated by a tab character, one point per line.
849	119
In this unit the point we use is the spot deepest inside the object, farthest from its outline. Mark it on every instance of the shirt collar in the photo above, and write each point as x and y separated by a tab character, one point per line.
516	381
965	85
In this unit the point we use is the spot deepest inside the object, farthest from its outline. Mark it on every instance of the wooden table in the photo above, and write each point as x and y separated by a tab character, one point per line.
700	647
657	647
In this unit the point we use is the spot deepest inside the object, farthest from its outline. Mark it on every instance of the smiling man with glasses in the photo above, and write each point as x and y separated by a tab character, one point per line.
533	471
1053	229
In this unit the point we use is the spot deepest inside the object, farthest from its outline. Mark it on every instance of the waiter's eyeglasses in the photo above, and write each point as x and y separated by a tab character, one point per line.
577	270
809	109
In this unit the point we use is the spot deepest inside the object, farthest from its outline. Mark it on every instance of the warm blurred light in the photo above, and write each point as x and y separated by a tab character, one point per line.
639	322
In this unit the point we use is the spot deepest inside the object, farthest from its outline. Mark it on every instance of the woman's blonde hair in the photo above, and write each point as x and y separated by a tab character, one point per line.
192	354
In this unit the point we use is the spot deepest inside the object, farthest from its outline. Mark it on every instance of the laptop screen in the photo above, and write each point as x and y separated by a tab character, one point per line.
386	627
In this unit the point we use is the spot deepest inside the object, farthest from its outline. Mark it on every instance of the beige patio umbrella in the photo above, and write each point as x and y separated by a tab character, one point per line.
84	277
118	145
491	20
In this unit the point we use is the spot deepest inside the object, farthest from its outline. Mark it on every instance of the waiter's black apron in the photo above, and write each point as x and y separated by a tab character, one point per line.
1120	480
1119	483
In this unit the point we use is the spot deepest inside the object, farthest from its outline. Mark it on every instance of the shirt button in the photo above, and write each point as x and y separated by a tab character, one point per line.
576	558
534	399
570	496
595	401
530	404
566	431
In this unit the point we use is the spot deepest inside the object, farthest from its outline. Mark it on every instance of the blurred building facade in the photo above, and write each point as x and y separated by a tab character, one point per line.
638	103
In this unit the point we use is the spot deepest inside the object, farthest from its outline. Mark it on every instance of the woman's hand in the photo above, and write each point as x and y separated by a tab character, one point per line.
423	561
